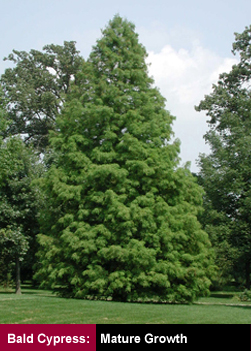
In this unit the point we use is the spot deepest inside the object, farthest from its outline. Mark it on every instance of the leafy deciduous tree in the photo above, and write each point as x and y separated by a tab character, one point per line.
226	172
35	89
13	248
19	202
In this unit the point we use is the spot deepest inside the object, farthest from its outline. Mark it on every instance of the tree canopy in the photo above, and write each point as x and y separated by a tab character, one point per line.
35	89
19	204
226	172
121	216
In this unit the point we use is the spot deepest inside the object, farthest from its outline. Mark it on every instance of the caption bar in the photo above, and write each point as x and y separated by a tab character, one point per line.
91	337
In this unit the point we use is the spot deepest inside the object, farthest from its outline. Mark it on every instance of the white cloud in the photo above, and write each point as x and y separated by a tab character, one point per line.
187	75
184	76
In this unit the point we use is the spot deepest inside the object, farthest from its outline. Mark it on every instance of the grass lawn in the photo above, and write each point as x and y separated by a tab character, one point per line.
39	307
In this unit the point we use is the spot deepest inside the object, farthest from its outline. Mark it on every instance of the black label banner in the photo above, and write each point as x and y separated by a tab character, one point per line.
173	337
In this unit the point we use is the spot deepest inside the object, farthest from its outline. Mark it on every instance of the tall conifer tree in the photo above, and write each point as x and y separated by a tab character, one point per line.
121	216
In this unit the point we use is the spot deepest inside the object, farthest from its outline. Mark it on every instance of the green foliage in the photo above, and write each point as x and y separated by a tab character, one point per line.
245	296
19	199
19	167
225	174
35	89
13	245
121	217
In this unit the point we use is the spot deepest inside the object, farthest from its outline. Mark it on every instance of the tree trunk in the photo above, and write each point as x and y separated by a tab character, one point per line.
18	279
248	275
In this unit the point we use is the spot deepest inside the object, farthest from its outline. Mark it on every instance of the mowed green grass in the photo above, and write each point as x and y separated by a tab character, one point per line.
39	307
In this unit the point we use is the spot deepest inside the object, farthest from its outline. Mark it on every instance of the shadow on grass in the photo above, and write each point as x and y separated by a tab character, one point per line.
29	291
220	295
7	293
239	306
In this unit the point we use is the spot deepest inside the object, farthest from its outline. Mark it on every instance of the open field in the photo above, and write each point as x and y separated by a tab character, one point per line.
39	307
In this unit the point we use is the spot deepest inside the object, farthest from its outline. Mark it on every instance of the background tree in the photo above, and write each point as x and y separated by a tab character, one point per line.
226	172
35	89
13	248
121	216
19	202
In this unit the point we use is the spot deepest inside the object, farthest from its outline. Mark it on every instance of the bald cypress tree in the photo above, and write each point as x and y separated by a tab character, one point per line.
121	216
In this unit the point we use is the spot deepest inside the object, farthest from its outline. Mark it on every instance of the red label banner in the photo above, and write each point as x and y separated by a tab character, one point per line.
48	336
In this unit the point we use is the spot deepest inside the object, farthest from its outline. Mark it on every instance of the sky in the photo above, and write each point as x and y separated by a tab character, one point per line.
189	44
